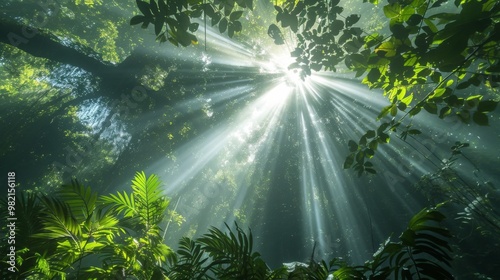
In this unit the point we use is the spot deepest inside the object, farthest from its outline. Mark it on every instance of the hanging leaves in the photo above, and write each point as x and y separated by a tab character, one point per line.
275	33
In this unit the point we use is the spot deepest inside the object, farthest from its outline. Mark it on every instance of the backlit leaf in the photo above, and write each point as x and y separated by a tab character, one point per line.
387	49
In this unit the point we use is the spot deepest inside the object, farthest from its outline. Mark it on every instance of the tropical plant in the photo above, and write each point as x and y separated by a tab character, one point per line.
219	255
62	234
423	252
79	227
29	216
74	228
142	252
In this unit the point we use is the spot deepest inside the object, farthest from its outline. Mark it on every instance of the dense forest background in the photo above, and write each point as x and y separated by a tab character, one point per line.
323	126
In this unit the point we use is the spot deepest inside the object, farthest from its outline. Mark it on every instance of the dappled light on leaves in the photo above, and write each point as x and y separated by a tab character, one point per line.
322	126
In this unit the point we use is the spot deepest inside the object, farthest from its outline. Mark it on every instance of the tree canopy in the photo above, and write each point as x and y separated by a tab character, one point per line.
195	90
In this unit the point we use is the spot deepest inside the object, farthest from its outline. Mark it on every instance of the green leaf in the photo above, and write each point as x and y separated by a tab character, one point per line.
216	18
370	134
145	24
237	26
349	161
158	26
60	221
373	75
144	8
407	100
487	106
414	131
360	157
223	25
424	216
275	33
463	85
298	8
154	7
408	237
371	170
392	11
80	199
249	4
235	15
384	111
369	153
384	138
352	146
137	20
445	111
230	30
351	20
193	27
363	140
383	126
480	118
394	110
414	20
430	107
386	49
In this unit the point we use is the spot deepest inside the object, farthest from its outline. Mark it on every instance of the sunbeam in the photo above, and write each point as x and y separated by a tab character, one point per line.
194	139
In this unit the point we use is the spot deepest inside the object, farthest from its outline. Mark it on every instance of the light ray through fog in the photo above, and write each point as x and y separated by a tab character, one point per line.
261	114
330	208
228	171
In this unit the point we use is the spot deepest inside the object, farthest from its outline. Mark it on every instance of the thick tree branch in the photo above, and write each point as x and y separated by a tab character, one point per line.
33	42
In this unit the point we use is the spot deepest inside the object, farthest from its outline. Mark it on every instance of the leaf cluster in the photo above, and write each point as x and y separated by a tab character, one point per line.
74	225
451	51
122	231
172	20
422	252
324	37
219	255
425	61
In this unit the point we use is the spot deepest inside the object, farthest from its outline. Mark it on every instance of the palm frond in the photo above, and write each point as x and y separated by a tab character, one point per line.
121	203
82	200
151	201
232	254
423	250
191	262
60	221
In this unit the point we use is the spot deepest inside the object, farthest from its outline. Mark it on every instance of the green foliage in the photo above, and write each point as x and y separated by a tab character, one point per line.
225	255
123	231
473	197
324	37
74	223
172	19
426	49
422	252
366	147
